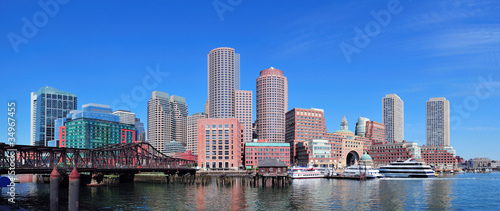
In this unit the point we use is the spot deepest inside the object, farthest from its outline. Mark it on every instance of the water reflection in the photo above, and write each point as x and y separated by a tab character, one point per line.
311	194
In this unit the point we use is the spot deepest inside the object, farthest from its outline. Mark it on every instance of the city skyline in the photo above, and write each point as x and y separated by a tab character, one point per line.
115	69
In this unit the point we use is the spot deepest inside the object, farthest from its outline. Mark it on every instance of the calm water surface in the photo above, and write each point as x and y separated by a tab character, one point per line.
460	192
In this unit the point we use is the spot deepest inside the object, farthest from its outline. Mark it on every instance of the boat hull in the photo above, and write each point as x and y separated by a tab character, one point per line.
395	175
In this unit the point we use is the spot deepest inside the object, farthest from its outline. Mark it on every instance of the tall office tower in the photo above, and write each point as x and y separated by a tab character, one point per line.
236	71
47	105
140	131
438	122
272	104
361	126
159	120
376	132
179	119
192	131
126	117
303	125
221	82
243	112
393	118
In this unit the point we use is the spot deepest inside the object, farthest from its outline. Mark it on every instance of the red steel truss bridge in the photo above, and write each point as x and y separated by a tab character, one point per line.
115	158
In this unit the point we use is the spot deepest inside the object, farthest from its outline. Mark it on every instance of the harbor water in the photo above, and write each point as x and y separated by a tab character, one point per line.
447	192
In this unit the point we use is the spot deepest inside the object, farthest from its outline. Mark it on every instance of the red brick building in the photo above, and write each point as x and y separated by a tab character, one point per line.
255	152
383	154
188	155
376	132
440	157
219	143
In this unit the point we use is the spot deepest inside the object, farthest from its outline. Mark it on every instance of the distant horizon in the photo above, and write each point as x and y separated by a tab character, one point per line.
341	57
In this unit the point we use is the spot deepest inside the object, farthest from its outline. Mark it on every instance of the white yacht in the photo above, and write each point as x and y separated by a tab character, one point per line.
407	168
305	173
361	170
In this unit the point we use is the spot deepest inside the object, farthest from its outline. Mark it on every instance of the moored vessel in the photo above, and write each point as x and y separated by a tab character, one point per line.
305	173
407	168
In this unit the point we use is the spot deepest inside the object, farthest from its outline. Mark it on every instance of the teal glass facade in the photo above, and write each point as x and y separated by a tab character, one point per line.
87	133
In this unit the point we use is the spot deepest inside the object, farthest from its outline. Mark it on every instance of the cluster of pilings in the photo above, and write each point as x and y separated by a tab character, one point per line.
274	181
74	190
203	179
182	179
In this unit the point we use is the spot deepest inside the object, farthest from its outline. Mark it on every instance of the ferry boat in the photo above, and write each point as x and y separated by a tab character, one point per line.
305	173
407	168
365	171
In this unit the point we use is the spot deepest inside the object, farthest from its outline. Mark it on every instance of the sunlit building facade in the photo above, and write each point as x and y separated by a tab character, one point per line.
393	118
272	104
438	122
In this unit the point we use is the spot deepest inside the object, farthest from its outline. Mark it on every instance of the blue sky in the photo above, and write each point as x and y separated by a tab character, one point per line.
102	50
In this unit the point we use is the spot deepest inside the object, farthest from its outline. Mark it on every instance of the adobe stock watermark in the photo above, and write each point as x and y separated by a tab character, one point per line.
221	6
30	27
150	81
483	90
373	28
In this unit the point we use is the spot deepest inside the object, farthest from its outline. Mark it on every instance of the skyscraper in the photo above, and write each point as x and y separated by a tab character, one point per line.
438	122
243	112
126	117
393	118
140	132
167	119
236	71
361	126
179	119
272	104
221	82
192	131
159	120
47	105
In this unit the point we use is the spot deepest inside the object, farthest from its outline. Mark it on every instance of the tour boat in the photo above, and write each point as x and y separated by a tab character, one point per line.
407	168
362	171
305	173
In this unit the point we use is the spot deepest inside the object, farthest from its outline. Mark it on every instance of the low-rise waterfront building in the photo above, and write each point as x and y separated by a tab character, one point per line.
188	155
479	163
441	157
272	167
383	154
255	152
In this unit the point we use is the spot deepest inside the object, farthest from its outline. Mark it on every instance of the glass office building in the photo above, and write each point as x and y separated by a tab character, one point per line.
92	127
47	105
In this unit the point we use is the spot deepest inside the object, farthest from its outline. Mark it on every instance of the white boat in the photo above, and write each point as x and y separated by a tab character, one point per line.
326	171
305	173
365	171
407	168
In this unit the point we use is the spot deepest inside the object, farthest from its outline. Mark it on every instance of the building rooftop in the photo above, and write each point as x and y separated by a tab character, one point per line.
271	163
264	144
